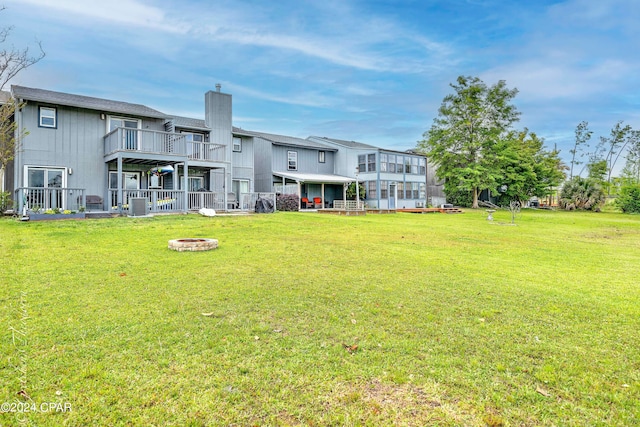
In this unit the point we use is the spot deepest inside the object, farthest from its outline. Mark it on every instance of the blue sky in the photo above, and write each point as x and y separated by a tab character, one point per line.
373	71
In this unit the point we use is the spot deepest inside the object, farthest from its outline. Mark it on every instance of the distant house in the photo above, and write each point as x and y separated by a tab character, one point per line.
100	154
392	179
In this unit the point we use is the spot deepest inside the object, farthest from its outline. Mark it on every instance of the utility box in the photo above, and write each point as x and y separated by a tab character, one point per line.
138	206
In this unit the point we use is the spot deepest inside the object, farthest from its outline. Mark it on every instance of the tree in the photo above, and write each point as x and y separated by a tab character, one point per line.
12	62
629	198
620	137
462	140
583	135
527	169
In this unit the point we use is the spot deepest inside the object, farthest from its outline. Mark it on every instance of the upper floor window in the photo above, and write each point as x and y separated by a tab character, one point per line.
362	163
423	166
237	144
383	162
321	156
48	117
292	160
371	163
392	163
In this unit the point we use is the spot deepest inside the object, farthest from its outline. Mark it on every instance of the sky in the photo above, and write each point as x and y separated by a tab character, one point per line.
373	71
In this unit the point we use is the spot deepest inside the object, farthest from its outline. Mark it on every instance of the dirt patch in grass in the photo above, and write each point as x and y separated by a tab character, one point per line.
405	404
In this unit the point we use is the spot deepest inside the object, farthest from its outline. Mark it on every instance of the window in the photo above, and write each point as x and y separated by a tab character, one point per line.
384	189
372	191
399	164
392	163
423	192
237	144
407	165
292	160
196	183
400	188
130	131
48	117
415	186
414	165
362	163
321	156
240	186
423	166
383	162
371	163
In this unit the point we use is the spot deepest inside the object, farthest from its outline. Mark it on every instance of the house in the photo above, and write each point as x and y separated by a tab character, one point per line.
111	151
392	179
290	165
102	154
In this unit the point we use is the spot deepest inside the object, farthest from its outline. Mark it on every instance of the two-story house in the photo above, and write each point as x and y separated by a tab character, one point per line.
97	153
81	146
392	179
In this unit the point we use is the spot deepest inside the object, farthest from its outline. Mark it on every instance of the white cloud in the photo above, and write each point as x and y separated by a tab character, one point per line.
120	12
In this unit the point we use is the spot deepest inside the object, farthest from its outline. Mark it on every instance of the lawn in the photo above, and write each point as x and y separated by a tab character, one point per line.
311	319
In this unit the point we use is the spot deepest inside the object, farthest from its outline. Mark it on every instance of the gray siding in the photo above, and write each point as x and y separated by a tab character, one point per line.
262	165
77	144
307	160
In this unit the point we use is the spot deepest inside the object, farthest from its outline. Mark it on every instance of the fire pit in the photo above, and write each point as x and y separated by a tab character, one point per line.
193	245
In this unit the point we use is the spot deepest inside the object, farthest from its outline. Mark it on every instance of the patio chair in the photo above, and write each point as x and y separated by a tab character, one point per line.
305	202
317	202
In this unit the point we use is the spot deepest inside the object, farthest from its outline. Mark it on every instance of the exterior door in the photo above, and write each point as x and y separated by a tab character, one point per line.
46	188
130	131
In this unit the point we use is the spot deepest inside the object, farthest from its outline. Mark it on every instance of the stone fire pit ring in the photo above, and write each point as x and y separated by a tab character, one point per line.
193	244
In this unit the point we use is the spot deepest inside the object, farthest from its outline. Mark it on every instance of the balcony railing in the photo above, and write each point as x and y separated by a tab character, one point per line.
37	199
162	143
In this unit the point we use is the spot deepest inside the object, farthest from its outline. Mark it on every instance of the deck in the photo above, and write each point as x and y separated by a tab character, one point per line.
431	210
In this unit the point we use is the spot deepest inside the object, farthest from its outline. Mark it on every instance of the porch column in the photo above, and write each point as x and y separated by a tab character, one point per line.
322	194
119	184
186	186
299	195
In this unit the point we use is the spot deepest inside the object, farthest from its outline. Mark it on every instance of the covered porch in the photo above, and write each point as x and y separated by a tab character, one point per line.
315	191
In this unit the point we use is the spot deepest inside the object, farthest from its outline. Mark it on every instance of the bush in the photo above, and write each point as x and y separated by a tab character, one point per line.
5	201
287	202
629	199
457	197
581	193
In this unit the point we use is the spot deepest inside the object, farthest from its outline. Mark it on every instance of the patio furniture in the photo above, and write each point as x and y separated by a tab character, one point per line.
317	202
306	202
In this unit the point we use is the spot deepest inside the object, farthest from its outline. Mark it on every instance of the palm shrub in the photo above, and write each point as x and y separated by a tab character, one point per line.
582	193
629	198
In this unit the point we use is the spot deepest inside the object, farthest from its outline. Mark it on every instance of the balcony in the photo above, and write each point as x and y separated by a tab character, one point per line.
151	144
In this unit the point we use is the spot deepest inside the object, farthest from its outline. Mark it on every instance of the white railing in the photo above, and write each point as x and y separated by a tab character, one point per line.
38	199
286	189
173	200
247	201
165	143
157	200
206	200
348	205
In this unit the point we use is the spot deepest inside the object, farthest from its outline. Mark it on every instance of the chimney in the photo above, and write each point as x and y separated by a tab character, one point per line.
218	87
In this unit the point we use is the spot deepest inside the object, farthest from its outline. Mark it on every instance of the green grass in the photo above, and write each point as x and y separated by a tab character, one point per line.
457	321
